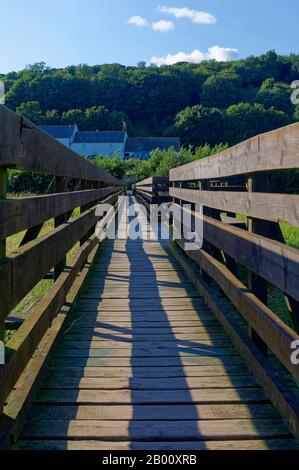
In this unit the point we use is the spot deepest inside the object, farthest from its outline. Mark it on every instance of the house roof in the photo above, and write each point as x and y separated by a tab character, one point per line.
60	132
148	144
88	137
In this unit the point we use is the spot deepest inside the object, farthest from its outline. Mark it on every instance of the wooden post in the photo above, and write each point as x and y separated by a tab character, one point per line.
59	187
258	285
84	186
3	192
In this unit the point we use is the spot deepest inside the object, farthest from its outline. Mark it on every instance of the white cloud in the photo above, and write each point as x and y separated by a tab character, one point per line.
138	21
220	54
163	26
199	17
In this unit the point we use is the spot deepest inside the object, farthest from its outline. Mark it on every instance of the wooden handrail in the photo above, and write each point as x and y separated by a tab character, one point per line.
231	187
23	146
273	151
26	147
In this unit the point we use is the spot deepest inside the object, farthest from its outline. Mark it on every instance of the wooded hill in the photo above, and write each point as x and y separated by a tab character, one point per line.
210	102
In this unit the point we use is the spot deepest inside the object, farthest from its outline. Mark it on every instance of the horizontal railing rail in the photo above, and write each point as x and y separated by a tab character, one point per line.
60	252
154	190
25	147
244	249
273	151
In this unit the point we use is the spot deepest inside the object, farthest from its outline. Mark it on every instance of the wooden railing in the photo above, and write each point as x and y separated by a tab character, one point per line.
154	190
25	147
242	233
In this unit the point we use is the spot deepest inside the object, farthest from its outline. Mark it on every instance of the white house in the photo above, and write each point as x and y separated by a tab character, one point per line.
108	143
64	134
91	144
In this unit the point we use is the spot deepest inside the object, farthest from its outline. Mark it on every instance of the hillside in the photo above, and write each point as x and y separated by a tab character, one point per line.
201	103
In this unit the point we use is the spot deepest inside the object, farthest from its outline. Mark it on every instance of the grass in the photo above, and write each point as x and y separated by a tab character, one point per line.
291	235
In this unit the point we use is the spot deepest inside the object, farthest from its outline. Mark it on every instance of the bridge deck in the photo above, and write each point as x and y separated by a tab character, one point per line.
147	366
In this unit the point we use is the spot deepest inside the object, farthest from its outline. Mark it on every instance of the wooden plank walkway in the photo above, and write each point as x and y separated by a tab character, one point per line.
147	366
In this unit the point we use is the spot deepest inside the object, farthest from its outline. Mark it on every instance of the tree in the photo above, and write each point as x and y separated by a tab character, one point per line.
276	95
31	110
51	118
114	165
96	118
73	116
243	121
221	90
198	126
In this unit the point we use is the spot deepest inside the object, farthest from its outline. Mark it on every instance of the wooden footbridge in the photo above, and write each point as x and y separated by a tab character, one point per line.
140	344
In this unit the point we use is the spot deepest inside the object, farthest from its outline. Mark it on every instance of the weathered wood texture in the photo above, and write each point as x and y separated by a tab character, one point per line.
24	146
154	190
20	214
273	151
265	206
272	260
155	180
273	331
285	399
23	395
218	184
22	345
17	277
128	370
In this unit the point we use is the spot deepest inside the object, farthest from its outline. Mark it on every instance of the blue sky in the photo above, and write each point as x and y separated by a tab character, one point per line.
67	32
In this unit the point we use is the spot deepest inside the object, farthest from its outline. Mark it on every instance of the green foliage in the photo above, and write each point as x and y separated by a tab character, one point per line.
25	182
114	165
243	121
162	161
198	126
221	90
276	95
30	110
159	100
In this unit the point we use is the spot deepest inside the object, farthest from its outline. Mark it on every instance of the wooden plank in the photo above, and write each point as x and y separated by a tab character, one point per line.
152	325
132	345
252	444
213	395
176	306
133	383
149	372
214	335
24	146
157	430
111	330
137	320
153	181
19	214
208	351
154	412
265	206
274	151
147	361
